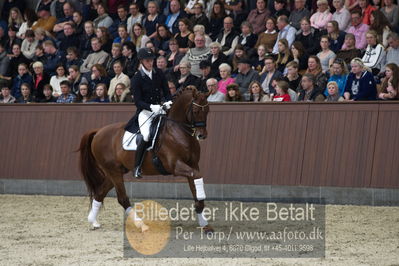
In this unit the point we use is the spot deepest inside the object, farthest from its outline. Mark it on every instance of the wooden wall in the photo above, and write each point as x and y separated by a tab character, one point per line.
342	144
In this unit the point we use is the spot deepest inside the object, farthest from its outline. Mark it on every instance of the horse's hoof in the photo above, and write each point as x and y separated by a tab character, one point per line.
208	230
95	225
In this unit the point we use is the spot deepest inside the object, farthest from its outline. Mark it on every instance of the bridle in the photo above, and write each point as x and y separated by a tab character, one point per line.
193	125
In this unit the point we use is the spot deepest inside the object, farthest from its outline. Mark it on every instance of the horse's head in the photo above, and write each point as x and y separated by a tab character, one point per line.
191	108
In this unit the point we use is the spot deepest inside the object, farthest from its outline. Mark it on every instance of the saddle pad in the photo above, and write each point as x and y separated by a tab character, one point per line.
129	139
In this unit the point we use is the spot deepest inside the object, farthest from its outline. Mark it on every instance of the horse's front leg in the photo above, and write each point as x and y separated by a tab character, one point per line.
196	184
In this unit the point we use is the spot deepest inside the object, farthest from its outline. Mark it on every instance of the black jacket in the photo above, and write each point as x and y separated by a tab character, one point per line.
190	80
228	41
222	58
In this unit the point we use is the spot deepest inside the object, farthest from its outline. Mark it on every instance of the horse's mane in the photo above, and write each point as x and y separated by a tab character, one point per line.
192	89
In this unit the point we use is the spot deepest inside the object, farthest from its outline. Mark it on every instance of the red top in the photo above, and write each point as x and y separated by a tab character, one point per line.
367	14
282	98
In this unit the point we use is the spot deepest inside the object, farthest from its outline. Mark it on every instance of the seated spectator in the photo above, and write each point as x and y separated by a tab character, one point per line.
298	13
116	55
390	84
293	77
284	55
374	54
123	35
286	32
216	58
268	74
105	39
29	44
55	80
174	16
199	17
98	75
53	56
236	10
314	68
173	57
23	77
162	64
258	16
172	85
256	94
83	95
100	94
6	96
26	96
131	63
391	11
161	41
120	20
66	95
300	56
67	18
366	9
92	9
380	24
326	56
341	14
200	29
228	38
45	21
205	67
186	78
39	54
349	49
40	78
103	19
309	37
135	16
259	62
48	95
360	85
190	6
239	53
217	16
281	8
152	19
358	29
323	15
16	58
73	58
120	77
197	54
310	92
336	36
15	18
268	38
333	94
69	38
184	37
247	38
339	75
121	94
214	94
226	79
12	39
392	52
233	93
74	78
42	35
98	56
139	37
282	92
4	61
245	75
79	23
30	18
85	39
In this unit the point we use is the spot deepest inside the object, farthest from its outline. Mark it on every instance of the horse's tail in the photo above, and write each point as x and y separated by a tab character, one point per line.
91	172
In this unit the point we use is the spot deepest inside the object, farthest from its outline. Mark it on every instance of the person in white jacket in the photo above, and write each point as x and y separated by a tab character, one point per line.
29	44
374	54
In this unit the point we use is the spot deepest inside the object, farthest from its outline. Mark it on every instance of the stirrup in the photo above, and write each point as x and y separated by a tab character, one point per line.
137	172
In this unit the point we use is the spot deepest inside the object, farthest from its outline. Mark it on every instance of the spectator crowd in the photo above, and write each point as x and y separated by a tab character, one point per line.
78	51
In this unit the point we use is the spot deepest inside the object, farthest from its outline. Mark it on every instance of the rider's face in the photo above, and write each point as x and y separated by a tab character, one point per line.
147	63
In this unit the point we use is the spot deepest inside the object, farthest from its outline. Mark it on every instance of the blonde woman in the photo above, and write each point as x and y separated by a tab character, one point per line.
360	85
284	55
333	92
256	93
139	37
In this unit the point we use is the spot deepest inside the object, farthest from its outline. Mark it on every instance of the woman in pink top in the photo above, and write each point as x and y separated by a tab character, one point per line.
323	15
225	74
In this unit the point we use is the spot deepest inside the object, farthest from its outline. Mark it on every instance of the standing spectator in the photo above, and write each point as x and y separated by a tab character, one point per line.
282	92
121	95
6	96
120	77
26	96
298	13
66	95
197	54
228	38
333	94
286	32
381	25
199	17
335	36
258	16
314	68
139	37
310	92
103	19
29	44
174	16
53	56
374	54
350	51
100	94
366	8
326	56
341	14
56	80
245	75
152	19
390	84
135	16
216	19
284	55
85	39
360	85
268	74
268	38
233	93
121	20
309	37
40	78
23	77
256	94
226	79
214	94
358	29
48	95
391	11
130	60
323	15
339	75
98	56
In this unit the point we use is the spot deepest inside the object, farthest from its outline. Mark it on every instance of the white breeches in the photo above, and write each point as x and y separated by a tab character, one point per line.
145	120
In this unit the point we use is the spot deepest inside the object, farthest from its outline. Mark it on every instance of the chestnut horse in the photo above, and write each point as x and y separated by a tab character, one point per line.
103	161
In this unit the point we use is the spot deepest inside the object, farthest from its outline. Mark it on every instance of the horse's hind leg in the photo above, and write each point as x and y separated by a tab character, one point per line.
97	202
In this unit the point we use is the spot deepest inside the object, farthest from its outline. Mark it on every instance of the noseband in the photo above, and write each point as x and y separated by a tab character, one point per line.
195	124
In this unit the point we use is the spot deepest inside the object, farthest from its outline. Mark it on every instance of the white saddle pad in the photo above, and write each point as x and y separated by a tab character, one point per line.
129	139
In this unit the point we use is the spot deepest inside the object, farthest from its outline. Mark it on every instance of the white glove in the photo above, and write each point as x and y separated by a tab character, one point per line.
157	109
168	105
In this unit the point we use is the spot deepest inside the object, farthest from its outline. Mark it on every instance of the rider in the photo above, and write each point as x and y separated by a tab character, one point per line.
150	89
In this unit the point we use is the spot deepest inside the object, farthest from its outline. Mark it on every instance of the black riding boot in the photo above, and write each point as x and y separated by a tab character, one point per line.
140	152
